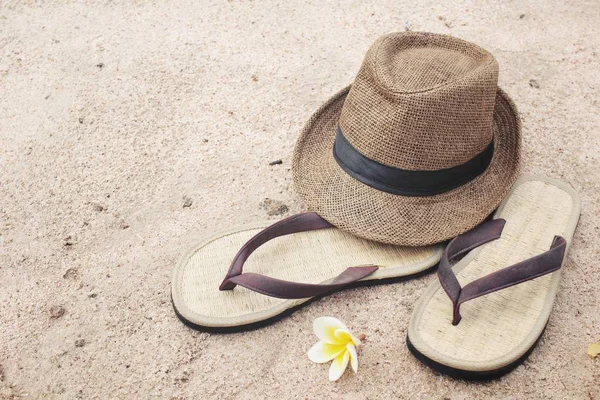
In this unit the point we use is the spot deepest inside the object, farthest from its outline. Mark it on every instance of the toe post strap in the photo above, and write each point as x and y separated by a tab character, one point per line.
295	290
302	222
542	264
285	289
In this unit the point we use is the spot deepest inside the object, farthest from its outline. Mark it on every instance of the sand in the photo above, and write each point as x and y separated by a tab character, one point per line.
128	131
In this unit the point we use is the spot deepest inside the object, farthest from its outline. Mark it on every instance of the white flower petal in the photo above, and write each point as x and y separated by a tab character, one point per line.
325	327
338	366
345	336
353	357
322	352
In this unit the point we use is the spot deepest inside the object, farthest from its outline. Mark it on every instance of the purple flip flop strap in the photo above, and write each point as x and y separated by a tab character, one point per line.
526	270
303	222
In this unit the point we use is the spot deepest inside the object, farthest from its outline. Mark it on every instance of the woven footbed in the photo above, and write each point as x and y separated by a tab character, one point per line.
411	221
309	257
500	328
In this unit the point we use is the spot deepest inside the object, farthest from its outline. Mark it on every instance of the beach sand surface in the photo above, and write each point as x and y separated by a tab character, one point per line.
131	130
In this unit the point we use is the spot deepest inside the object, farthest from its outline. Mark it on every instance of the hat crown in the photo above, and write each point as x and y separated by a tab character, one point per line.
422	102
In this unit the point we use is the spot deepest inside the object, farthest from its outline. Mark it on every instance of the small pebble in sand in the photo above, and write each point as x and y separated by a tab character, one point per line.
123	225
100	65
80	343
81	120
255	78
99	207
273	207
362	337
534	84
57	312
521	16
68	241
276	162
71	273
187	202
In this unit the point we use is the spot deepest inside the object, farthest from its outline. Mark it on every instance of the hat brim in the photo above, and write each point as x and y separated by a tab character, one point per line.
403	220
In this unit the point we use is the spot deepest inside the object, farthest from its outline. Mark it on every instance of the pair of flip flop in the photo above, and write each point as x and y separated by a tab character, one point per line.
479	321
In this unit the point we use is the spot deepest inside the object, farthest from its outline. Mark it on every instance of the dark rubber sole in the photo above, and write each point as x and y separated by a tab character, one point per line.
471	375
269	321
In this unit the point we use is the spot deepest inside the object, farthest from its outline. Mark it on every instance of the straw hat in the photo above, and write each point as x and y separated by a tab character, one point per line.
422	147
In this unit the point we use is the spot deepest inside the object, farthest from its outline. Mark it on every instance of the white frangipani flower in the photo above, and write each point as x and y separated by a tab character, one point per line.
336	343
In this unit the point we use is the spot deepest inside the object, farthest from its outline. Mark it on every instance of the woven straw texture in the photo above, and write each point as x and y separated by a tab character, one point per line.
310	257
499	328
419	102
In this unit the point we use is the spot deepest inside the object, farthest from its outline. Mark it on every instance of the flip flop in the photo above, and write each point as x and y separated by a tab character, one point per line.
210	292
486	313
